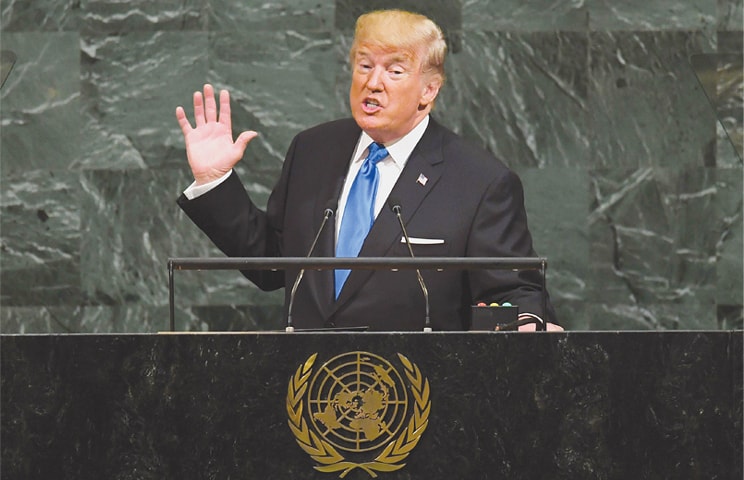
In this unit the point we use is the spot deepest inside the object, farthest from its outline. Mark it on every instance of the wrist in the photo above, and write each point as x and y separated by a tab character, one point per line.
206	178
196	189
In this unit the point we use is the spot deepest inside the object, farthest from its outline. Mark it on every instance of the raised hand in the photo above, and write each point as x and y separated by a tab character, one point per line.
209	147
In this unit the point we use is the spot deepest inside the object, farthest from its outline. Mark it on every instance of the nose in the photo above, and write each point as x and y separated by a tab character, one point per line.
374	79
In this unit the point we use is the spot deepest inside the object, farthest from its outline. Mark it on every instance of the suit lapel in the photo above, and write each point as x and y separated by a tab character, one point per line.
425	162
335	166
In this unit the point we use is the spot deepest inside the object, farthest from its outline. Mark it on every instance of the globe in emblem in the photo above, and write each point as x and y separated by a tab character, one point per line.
357	401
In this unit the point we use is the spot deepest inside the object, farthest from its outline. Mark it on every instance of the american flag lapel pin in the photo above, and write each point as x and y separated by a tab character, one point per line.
422	179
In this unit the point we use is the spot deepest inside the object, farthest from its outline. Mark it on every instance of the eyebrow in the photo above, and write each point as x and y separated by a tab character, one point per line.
400	59
397	58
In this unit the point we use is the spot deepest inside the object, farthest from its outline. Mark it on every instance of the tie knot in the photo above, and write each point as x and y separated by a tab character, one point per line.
377	152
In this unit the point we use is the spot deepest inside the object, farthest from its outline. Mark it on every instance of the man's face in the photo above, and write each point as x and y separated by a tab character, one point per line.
389	94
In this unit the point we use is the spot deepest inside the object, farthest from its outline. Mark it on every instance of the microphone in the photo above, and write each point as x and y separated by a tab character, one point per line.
394	205
329	211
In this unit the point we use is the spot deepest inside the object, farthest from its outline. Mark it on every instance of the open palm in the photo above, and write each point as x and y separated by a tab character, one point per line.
209	146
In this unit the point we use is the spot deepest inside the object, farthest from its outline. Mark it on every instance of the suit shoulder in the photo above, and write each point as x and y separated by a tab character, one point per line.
471	157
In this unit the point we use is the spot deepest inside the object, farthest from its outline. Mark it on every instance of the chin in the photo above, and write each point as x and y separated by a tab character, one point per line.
369	125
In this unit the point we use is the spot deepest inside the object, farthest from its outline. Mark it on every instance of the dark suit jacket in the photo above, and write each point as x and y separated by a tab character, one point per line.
470	199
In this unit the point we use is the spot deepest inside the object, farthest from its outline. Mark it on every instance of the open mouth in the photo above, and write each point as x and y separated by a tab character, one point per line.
371	105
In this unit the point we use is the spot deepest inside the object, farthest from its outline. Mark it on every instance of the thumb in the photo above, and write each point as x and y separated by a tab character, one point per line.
244	138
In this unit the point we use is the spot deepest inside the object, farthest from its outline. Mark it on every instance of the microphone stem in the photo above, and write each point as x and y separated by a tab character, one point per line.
427	322
290	327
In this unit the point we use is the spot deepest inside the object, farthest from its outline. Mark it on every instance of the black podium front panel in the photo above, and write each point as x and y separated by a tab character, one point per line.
631	405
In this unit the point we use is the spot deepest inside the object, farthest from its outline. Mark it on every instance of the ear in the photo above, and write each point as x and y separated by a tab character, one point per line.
430	90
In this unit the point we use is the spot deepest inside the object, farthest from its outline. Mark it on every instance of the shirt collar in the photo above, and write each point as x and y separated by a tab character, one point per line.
399	150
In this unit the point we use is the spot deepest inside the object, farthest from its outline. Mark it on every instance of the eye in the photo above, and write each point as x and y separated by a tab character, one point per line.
396	72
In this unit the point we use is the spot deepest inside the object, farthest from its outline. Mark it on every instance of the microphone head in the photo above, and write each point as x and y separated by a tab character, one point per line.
394	205
330	207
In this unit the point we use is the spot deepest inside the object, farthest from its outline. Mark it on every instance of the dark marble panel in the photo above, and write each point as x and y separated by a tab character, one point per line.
729	246
575	314
730	14
250	15
730	317
730	108
655	240
39	15
131	86
519	90
125	245
563	406
239	318
40	102
637	15
40	319
200	290
730	95
645	105
722	80
131	226
520	16
40	246
139	318
730	41
81	319
678	401
609	314
116	17
556	203
281	82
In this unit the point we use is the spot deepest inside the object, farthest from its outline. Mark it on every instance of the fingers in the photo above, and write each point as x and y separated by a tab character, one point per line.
225	114
205	107
205	111
210	106
183	122
199	109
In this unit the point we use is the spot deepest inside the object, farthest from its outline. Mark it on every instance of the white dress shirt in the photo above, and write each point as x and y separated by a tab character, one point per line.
390	167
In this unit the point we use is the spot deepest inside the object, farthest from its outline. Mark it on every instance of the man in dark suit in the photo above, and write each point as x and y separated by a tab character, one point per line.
455	199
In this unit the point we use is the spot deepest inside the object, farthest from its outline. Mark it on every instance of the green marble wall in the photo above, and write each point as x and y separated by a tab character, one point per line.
634	189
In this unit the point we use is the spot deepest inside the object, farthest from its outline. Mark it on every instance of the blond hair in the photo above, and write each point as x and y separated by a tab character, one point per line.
410	32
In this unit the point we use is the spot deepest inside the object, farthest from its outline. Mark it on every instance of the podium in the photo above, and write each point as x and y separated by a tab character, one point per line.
574	405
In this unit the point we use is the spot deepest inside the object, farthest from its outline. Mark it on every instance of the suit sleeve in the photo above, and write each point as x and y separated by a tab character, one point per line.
231	220
500	229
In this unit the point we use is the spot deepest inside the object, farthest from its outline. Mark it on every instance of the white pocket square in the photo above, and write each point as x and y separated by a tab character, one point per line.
423	241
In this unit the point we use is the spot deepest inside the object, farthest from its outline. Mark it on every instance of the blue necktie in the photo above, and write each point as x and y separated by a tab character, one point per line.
359	212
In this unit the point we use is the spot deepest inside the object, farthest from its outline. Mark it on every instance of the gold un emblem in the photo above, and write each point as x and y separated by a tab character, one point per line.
355	412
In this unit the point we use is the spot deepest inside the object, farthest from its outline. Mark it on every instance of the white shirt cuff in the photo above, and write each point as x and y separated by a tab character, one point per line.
194	190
